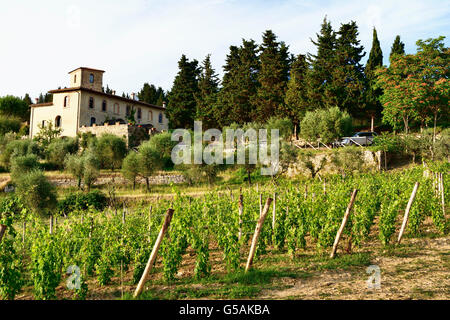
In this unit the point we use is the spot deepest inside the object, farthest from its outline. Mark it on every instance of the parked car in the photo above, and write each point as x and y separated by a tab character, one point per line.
359	138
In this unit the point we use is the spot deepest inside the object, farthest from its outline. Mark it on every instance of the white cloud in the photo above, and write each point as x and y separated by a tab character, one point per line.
139	41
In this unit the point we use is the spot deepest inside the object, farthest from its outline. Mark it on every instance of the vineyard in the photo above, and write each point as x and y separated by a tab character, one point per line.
89	249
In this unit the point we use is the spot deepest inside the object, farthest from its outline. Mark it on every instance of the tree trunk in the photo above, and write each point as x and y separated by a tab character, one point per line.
2	231
372	122
134	184
147	182
249	178
434	128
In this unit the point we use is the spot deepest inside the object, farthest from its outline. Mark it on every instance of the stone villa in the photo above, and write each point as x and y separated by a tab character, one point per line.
84	107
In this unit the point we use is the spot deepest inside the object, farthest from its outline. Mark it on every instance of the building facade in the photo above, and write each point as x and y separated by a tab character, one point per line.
84	104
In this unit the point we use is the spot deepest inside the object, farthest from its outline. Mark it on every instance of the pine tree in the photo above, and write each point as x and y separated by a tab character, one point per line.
148	94
239	85
207	96
347	86
27	99
398	47
321	65
375	61
272	77
296	100
182	105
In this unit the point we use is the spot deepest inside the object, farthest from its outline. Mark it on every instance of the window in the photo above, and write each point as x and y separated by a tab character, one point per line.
104	106
128	111
160	117
58	121
150	115
91	78
91	103
116	108
43	123
139	113
66	101
92	121
75	79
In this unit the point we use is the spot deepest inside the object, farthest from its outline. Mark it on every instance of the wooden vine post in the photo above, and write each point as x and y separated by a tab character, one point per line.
260	204
51	224
2	231
241	211
274	211
408	208
152	258
256	234
344	222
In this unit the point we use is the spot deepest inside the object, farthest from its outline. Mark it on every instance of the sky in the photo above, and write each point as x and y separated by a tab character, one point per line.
138	41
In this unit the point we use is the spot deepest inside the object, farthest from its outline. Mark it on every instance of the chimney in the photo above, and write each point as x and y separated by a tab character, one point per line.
164	104
114	92
133	96
37	100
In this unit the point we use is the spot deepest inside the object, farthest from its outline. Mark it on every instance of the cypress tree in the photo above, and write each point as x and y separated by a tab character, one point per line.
207	96
148	94
182	107
239	85
296	100
347	85
272	77
398	47
375	61
321	65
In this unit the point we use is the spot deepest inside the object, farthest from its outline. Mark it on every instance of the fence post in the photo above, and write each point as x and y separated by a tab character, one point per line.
274	211
344	222
408	208
256	235
241	211
152	258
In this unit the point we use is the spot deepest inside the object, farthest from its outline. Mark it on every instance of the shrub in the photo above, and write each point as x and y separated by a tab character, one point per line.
326	125
8	124
23	164
348	160
82	201
58	149
110	150
17	148
37	192
84	168
164	144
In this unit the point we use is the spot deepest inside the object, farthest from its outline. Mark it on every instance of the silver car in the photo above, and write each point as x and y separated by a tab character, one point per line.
360	138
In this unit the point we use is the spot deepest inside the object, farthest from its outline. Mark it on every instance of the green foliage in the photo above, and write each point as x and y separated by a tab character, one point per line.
164	144
23	164
110	150
11	269
326	125
58	149
47	134
9	124
84	168
11	106
150	160
15	148
82	201
130	167
37	192
348	160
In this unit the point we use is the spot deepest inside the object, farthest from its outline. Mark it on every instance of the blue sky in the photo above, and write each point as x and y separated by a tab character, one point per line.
137	41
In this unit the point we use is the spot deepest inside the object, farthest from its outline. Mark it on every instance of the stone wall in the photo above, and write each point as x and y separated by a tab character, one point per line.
133	135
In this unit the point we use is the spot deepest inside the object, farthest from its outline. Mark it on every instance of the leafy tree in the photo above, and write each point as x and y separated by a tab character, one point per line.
398	48
130	167
84	168
150	161
164	144
58	149
15	148
37	192
111	150
47	134
11	106
9	124
182	105
207	96
22	164
375	61
272	77
74	164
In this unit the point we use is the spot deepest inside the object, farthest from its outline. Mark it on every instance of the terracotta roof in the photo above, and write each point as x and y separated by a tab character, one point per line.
86	69
108	95
37	105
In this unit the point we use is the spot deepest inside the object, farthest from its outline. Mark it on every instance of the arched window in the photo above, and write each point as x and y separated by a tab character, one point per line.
58	121
139	113
150	115
91	78
92	121
104	106
91	103
160	117
66	101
